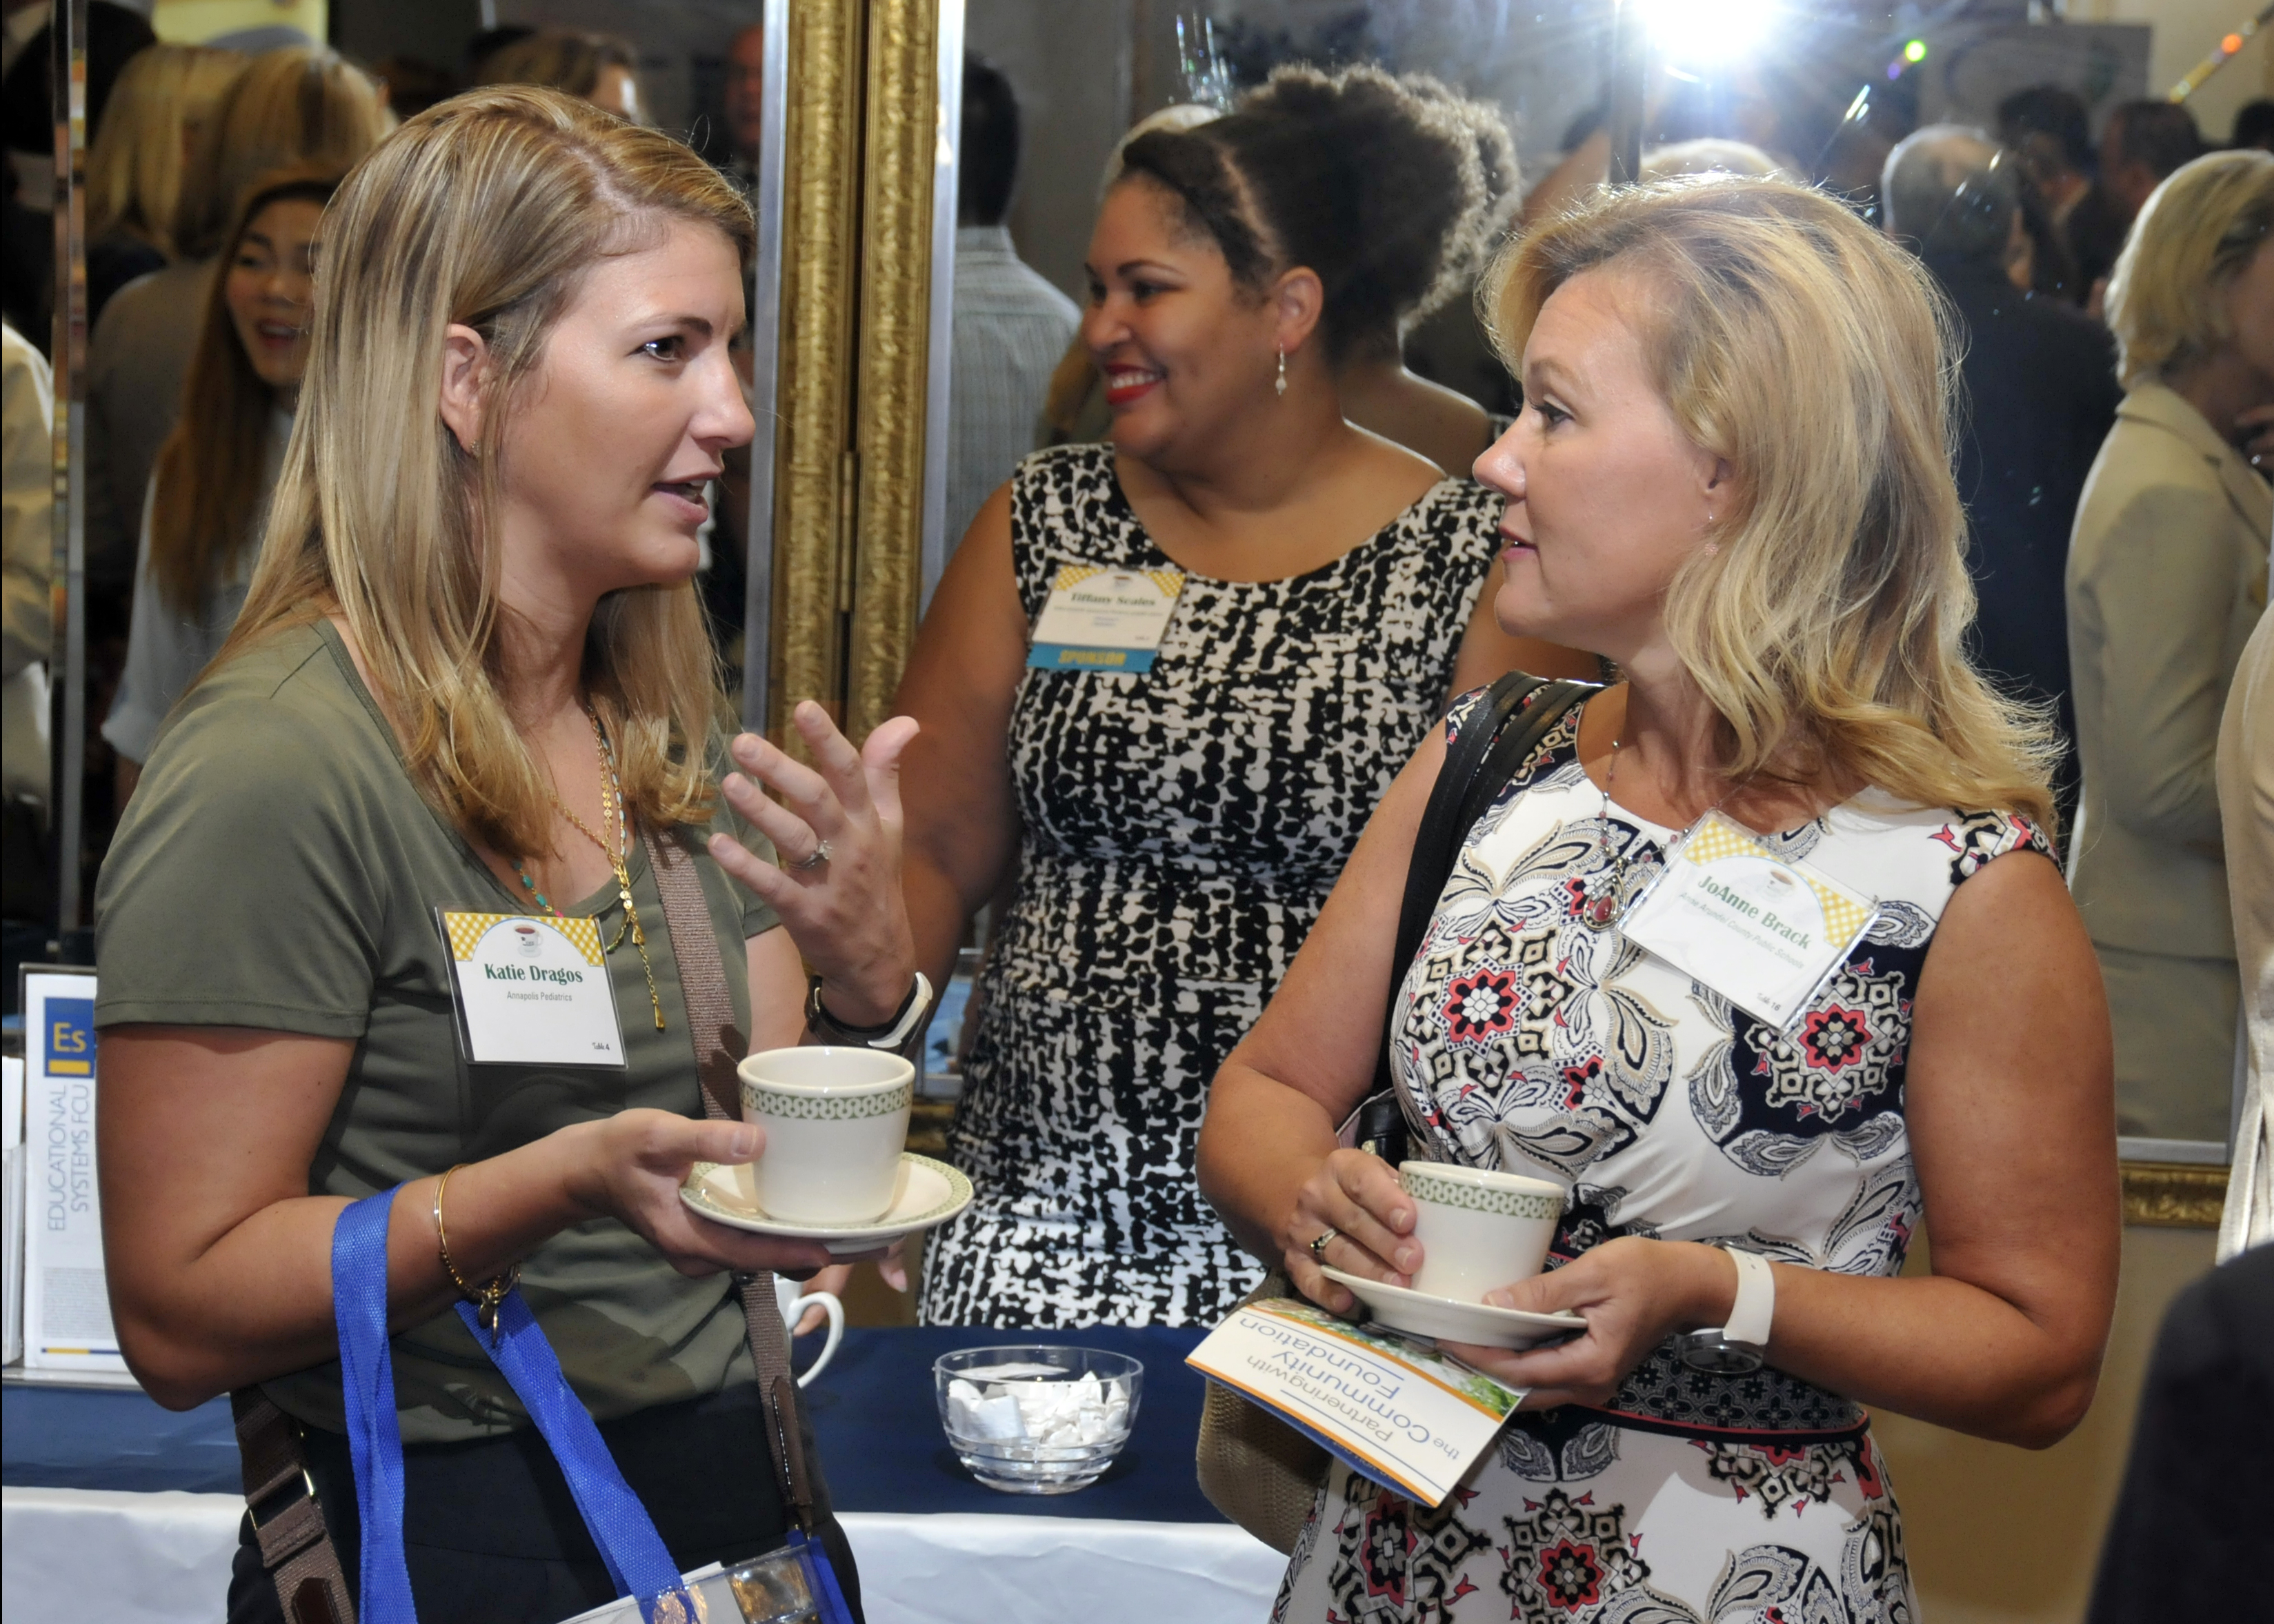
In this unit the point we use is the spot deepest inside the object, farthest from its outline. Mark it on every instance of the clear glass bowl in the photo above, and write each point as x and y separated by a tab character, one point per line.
1030	1419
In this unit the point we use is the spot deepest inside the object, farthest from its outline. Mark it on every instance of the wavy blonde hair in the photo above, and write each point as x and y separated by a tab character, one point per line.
1818	359
2195	234
164	93
485	210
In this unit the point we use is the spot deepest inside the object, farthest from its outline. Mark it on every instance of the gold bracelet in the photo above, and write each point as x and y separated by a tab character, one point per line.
487	1297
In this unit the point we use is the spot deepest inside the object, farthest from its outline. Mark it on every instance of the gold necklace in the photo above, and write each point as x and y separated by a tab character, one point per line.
612	811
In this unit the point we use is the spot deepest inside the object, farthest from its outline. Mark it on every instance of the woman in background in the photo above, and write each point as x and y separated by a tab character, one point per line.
1175	831
163	100
302	105
2166	579
208	501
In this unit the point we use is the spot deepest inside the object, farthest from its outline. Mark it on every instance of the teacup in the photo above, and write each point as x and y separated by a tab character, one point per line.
1479	1229
835	1121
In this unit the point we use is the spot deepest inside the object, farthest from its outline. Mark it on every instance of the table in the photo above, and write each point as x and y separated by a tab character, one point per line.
108	1489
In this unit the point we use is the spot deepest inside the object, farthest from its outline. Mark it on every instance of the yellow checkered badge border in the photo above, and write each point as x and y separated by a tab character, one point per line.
465	932
1718	837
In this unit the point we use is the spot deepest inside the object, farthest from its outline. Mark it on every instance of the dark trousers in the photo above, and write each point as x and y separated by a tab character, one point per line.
492	1535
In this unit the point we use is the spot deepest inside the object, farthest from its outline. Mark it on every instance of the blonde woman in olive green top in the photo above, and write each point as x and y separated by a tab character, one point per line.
471	636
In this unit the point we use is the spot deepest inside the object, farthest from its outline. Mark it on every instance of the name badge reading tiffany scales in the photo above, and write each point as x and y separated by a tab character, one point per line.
531	991
1762	932
1104	620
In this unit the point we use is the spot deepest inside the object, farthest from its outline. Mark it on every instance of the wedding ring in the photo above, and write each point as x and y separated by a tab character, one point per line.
1319	1243
820	856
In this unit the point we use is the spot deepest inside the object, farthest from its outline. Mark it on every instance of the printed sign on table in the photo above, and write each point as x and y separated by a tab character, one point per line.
66	1300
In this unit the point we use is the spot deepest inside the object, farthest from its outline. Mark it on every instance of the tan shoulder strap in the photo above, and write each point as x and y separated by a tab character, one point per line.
719	1047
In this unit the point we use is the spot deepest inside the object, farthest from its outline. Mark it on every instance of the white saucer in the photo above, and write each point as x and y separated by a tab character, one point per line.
927	1194
1449	1319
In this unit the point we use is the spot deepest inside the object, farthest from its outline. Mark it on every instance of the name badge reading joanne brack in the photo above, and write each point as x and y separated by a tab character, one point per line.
531	991
1104	620
1732	915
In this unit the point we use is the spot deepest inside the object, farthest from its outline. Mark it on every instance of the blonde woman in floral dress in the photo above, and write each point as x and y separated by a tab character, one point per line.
1731	477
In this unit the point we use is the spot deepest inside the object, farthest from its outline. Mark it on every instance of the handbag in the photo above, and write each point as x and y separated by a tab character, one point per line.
1256	1469
296	1547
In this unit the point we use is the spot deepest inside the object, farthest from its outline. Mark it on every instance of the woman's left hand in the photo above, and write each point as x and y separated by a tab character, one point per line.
1633	1293
845	911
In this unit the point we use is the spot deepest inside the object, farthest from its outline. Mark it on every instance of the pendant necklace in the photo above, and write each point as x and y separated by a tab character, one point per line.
612	814
1602	911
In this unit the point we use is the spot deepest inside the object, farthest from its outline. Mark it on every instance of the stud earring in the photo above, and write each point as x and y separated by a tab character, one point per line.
1280	387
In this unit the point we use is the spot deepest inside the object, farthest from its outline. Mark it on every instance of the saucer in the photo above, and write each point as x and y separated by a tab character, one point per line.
1449	1319
926	1194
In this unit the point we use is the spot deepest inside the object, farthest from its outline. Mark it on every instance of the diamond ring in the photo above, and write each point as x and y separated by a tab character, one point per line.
820	856
1319	1241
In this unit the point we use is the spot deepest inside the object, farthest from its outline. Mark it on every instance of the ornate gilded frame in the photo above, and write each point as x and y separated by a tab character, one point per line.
861	131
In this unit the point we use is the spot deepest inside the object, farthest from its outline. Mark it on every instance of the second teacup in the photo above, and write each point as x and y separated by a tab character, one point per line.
836	1120
1479	1229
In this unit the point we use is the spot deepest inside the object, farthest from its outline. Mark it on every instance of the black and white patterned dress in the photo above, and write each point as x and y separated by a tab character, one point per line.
1180	831
1531	1041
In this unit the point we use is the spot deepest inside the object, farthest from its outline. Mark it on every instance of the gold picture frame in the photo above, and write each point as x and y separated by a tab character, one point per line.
861	127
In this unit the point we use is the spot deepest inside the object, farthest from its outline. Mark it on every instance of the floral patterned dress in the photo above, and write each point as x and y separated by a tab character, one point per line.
1179	833
1532	1041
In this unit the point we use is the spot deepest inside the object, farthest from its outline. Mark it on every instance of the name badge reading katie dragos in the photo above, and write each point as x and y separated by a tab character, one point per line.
531	991
1732	915
1104	620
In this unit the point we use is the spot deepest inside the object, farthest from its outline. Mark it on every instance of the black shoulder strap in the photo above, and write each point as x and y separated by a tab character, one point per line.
1478	766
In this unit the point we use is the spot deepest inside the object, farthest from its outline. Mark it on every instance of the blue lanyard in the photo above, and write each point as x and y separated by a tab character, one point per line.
638	1563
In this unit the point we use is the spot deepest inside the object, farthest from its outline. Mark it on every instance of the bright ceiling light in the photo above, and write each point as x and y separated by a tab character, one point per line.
1706	33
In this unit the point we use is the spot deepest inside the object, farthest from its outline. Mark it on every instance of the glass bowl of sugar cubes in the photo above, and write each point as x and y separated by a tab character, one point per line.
1037	1420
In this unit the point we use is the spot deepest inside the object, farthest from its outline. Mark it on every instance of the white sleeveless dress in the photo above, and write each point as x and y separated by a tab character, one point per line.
1690	1498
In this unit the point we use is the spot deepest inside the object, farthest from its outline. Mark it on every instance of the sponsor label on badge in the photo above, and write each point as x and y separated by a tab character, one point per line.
1731	915
1097	619
531	990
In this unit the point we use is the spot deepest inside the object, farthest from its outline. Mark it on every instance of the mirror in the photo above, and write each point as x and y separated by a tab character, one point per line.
1821	92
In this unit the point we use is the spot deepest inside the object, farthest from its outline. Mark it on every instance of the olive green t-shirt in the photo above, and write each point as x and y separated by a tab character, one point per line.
277	868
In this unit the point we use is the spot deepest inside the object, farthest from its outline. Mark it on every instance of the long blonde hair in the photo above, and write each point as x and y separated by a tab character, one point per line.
2194	235
483	211
303	104
1818	359
134	169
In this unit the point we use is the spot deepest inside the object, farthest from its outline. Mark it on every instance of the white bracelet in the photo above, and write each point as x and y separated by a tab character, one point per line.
1755	1308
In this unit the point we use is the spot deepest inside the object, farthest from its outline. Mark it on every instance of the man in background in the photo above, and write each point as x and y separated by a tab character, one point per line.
2141	144
1009	325
2042	395
2049	132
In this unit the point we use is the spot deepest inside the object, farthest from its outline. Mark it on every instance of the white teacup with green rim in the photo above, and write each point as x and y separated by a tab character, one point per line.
1479	1229
836	1120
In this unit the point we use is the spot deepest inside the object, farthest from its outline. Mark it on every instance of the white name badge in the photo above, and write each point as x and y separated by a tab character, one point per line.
531	991
1731	915
1104	620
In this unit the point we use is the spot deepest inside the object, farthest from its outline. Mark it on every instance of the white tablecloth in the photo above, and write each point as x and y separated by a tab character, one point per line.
164	1558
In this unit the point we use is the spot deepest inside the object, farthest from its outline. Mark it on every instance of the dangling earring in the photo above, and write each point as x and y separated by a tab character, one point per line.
1280	388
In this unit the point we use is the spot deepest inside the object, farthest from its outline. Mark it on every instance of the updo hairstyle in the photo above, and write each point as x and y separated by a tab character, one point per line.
1386	187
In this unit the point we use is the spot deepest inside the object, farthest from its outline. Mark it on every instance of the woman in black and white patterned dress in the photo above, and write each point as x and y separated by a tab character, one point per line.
1174	832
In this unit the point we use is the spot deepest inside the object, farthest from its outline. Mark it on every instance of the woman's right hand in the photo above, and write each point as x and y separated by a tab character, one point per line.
630	1165
1358	1196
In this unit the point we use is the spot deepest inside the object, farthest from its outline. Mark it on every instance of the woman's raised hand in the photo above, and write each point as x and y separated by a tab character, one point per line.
1358	1196
836	831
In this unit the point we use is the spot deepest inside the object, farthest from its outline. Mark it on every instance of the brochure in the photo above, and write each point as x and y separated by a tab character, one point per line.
66	1300
1389	1406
